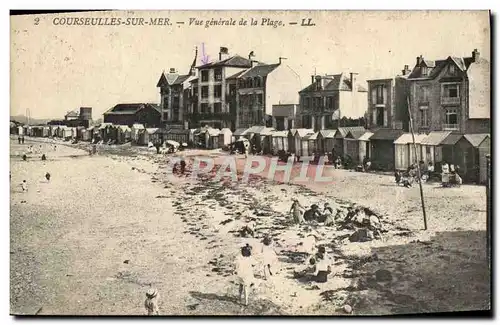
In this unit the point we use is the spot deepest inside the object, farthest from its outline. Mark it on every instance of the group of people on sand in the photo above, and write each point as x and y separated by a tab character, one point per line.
302	215
248	262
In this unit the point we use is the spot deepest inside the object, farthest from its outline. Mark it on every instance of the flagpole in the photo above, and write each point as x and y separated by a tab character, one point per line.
418	164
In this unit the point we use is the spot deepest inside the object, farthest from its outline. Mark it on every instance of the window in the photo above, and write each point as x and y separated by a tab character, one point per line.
165	103
452	69
451	119
204	108
165	116
204	75
424	93
204	92
450	91
176	102
242	83
218	74
424	117
380	95
256	82
249	83
329	103
306	122
424	70
218	91
307	102
217	107
453	92
259	99
195	91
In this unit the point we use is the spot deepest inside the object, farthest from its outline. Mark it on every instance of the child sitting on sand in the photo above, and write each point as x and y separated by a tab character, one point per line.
268	255
244	272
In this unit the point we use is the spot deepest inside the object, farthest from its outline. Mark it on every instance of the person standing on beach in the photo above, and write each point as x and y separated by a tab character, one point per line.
24	186
244	272
297	211
269	256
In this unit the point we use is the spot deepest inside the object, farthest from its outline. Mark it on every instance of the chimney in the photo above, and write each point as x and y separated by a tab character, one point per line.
172	70
419	59
354	83
475	55
312	79
281	58
406	70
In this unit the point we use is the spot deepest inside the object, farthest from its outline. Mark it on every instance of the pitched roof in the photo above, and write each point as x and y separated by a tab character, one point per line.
213	132
386	134
476	139
338	82
302	132
407	138
435	137
435	67
355	134
235	61
180	79
259	129
451	139
328	134
130	108
279	134
241	131
260	70
236	75
342	131
72	114
311	136
366	136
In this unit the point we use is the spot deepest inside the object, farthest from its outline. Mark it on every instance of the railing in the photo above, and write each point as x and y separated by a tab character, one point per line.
450	127
450	100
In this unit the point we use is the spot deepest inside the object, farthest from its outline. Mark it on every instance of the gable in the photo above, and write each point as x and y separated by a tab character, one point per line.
162	81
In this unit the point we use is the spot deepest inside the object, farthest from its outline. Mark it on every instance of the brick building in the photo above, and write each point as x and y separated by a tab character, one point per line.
452	94
388	102
331	97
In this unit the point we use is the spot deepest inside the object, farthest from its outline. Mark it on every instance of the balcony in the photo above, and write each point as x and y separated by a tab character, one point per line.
450	127
450	100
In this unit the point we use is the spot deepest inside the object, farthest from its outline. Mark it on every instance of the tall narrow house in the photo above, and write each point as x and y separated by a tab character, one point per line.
387	102
174	95
451	94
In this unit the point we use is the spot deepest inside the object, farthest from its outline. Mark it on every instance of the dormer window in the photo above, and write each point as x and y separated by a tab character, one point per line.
424	71
452	69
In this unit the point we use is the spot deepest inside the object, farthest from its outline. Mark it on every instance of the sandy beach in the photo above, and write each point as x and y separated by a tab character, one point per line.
105	228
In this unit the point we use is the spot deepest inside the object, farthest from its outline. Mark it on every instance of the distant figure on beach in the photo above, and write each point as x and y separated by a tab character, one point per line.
25	157
47	176
22	140
19	140
55	147
24	186
151	303
244	272
297	211
44	157
269	256
322	266
183	166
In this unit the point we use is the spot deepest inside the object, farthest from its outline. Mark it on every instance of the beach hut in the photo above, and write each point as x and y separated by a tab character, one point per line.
351	144
364	145
239	133
124	134
431	147
291	140
325	141
382	148
212	138
257	135
463	151
178	135
404	151
87	134
339	138
484	148
301	138
311	140
149	135
135	132
225	137
45	131
279	141
67	132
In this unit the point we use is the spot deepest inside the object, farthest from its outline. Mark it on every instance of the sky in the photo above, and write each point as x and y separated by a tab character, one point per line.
57	68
